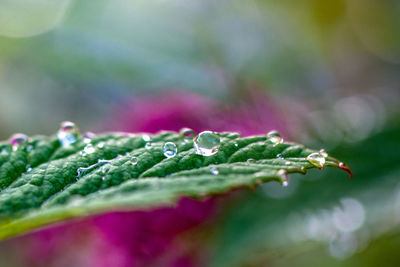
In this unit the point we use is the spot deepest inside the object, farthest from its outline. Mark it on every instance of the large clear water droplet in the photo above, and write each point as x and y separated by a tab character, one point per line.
18	140
68	133
187	134
206	143
316	159
214	171
170	149
274	138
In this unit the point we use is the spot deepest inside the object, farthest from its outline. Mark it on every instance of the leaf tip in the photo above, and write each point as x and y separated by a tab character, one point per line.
346	168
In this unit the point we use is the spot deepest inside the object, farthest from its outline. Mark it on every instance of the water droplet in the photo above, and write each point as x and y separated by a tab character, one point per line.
187	134
29	148
103	171
87	138
279	156
146	138
18	140
316	159
68	133
28	168
207	143
323	153
274	137
236	144
81	171
288	163
148	145
134	160
251	161
88	149
100	145
284	177
214	171
169	149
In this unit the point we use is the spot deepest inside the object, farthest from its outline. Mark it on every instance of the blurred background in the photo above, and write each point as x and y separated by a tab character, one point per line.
324	73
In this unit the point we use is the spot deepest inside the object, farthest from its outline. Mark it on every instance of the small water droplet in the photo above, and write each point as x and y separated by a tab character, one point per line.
100	145
29	148
89	149
323	153
187	134
134	160
88	136
236	144
274	137
148	145
28	168
18	140
316	159
207	143
214	171
103	170
103	178
284	177
169	149
288	163
146	138
68	133
251	161
279	156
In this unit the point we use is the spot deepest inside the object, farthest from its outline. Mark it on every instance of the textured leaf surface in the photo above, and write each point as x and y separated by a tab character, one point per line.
51	190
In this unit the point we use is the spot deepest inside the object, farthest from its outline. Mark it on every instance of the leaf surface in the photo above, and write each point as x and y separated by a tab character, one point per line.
43	182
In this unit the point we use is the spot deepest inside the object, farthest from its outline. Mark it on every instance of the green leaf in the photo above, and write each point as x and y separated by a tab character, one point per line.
40	185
